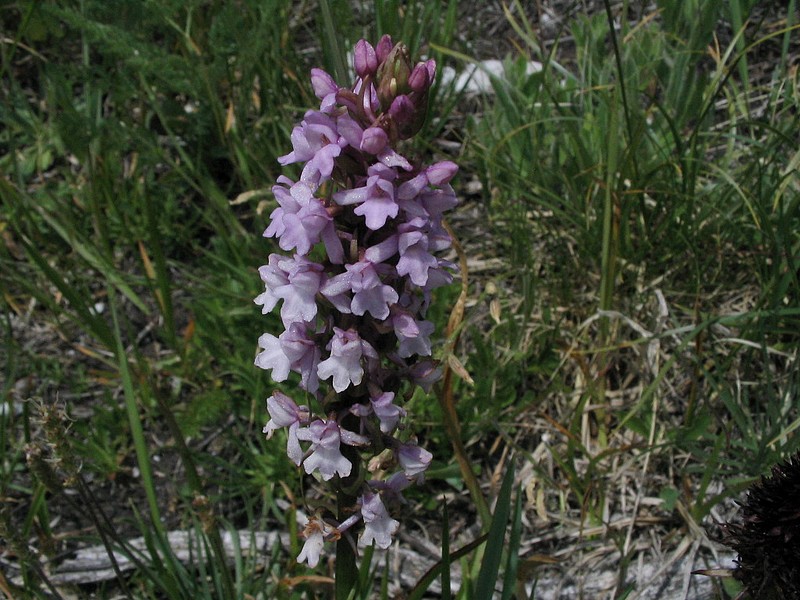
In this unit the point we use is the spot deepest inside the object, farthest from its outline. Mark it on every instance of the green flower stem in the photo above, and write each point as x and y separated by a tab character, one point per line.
346	571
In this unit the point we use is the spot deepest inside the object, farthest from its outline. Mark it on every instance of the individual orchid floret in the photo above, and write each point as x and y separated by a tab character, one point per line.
413	460
296	281
294	351
369	293
379	527
419	343
388	413
441	173
325	89
299	297
375	199
344	363
284	412
301	220
365	61
272	357
384	47
418	79
315	532
317	143
402	110
303	354
274	278
326	456
374	140
415	259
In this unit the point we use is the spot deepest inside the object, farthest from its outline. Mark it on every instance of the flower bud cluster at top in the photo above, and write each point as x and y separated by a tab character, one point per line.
363	225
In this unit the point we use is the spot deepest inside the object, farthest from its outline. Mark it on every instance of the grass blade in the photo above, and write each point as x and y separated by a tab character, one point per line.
495	543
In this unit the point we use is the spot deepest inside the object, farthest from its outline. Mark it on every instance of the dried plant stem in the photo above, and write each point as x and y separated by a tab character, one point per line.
453	428
446	400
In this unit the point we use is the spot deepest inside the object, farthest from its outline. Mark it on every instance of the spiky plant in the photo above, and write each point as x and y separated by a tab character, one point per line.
767	537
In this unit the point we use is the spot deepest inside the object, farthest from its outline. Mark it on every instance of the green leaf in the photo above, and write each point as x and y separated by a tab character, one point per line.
446	593
512	560
487	576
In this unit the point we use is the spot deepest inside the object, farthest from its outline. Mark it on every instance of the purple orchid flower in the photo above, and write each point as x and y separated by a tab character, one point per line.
326	456
379	527
344	363
365	226
285	413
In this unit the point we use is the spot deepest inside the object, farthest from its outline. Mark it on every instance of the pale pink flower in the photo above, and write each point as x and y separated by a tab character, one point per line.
379	526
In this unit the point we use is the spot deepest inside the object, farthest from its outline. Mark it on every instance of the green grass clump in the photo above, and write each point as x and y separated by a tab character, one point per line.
647	184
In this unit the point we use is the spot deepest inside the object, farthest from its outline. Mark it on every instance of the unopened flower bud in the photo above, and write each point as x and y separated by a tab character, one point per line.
384	47
402	110
365	60
407	116
322	83
418	80
430	65
374	140
392	77
441	172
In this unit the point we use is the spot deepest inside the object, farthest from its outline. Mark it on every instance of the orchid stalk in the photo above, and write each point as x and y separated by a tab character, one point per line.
361	231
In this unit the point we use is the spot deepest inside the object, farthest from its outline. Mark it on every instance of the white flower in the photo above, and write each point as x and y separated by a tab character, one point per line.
285	413
314	532
413	460
378	525
325	438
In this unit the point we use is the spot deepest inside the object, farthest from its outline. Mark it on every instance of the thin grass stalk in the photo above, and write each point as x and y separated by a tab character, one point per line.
163	286
611	219
446	592
621	80
134	418
331	38
608	265
511	583
385	580
366	573
418	591
737	12
791	14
